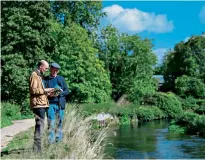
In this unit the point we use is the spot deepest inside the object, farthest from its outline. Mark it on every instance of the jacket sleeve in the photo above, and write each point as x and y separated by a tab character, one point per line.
65	88
34	89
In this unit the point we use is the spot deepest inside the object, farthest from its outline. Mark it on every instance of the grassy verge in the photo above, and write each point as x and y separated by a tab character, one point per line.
10	112
79	141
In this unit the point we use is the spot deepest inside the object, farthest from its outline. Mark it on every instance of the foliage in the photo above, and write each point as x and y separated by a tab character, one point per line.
9	112
200	110
120	111
194	123
148	113
83	71
189	86
189	103
24	41
158	70
129	60
167	102
85	13
26	110
176	129
89	109
187	58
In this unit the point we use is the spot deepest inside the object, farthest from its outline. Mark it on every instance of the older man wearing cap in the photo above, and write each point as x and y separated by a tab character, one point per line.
57	102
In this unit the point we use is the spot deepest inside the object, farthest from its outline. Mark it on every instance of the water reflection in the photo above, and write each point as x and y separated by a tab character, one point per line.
152	140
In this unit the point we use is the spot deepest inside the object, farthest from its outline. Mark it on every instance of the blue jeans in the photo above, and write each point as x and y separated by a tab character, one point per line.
55	123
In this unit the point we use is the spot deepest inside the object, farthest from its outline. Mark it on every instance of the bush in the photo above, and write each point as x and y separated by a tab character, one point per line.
194	123
200	110
96	108
167	102
148	113
189	103
25	110
145	114
177	129
189	86
9	112
128	110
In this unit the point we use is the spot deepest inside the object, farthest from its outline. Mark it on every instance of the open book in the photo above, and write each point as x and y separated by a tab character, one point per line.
57	90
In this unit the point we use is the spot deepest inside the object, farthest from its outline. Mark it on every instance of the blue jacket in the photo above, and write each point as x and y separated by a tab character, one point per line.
61	82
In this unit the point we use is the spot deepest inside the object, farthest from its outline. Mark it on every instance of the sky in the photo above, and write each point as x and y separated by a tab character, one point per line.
166	23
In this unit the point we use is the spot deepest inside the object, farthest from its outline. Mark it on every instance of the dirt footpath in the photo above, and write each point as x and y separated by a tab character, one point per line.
7	133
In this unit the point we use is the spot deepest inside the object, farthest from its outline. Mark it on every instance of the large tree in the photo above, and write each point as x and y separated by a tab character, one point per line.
24	42
129	60
187	58
85	13
82	69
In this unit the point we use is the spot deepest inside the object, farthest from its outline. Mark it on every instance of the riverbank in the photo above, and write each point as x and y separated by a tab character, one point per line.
79	141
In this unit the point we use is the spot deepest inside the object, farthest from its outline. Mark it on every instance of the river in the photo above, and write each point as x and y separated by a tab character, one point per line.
151	140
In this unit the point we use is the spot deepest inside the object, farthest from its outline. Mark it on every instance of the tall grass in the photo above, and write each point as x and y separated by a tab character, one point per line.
79	141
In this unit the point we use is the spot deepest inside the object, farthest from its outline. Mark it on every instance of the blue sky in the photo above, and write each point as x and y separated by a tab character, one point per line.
167	23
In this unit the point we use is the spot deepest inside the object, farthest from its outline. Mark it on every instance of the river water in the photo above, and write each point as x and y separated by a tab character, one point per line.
151	140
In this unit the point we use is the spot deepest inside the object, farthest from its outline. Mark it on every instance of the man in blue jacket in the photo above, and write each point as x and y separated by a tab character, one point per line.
57	102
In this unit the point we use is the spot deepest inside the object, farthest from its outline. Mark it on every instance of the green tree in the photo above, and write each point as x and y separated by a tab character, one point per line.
189	86
24	42
187	58
129	59
85	13
82	69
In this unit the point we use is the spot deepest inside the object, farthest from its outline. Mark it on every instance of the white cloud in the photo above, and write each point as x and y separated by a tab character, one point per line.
134	20
202	15
160	52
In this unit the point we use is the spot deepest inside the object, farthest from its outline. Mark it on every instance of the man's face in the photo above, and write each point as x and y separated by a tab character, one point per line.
54	71
44	68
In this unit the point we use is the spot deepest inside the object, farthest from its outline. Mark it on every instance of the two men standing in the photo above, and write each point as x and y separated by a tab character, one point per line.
44	100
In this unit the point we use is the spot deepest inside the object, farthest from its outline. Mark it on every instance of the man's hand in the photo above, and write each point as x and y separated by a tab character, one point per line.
49	90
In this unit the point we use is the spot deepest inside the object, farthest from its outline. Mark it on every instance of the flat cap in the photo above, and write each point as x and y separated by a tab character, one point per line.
55	65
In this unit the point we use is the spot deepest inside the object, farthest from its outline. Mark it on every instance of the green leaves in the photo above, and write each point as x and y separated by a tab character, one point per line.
83	71
187	58
129	60
24	42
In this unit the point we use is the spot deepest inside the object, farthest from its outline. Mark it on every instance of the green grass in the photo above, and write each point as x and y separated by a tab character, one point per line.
79	141
10	112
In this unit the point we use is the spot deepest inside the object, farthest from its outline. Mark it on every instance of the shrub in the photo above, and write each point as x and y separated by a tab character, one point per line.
145	114
9	112
158	113
189	86
167	102
177	128
193	122
189	103
148	113
122	110
25	110
200	110
95	108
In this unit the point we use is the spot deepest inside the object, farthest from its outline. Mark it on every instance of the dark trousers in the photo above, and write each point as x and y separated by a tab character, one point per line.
39	127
